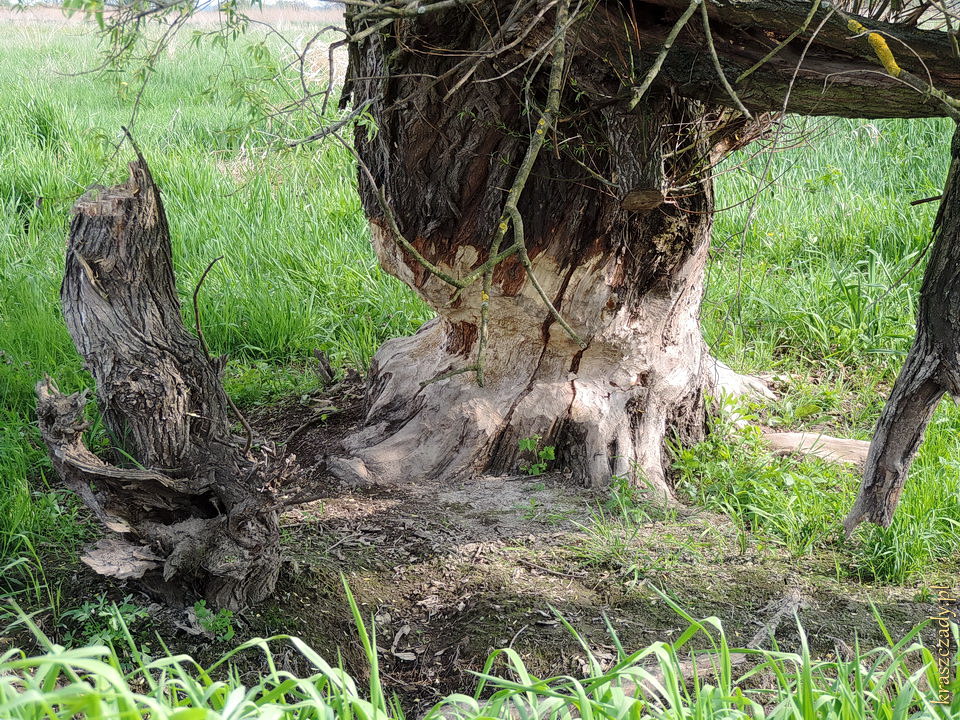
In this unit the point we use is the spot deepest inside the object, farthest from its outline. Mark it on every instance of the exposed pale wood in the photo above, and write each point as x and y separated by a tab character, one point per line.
732	383
824	446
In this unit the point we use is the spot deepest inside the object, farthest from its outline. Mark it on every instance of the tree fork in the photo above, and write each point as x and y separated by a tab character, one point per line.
200	516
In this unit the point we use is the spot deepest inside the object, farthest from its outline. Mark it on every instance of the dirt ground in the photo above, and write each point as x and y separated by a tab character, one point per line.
452	571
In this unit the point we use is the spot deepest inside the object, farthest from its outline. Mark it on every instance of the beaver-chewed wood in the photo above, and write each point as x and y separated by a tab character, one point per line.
196	515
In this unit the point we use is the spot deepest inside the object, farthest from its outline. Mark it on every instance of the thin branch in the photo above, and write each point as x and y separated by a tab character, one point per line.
528	266
717	65
662	55
196	309
206	353
335	127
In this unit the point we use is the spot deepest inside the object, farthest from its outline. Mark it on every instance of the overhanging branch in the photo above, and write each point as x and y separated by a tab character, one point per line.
841	74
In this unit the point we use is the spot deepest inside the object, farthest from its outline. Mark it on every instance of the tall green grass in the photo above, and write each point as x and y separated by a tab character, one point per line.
824	284
826	274
898	682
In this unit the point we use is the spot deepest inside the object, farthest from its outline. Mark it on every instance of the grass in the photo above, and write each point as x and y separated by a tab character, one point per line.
821	287
298	273
124	682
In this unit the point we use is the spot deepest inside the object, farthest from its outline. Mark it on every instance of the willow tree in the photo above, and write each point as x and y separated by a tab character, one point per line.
539	172
541	176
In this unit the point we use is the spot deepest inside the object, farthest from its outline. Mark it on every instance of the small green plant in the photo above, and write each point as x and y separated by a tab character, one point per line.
219	624
99	622
625	500
541	455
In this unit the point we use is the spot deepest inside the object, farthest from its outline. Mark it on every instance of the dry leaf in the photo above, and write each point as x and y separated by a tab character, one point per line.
118	558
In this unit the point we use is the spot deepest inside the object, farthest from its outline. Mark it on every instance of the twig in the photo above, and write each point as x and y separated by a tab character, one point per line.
662	55
196	309
517	634
452	373
541	568
528	266
717	65
335	127
510	212
317	417
756	196
206	353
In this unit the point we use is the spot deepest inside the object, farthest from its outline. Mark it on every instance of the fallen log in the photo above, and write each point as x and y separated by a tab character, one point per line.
194	513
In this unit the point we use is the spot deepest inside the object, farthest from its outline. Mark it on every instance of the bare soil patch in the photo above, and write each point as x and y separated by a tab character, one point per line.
451	571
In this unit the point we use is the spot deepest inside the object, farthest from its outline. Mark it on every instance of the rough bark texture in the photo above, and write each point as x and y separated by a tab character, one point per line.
840	73
931	369
198	515
617	215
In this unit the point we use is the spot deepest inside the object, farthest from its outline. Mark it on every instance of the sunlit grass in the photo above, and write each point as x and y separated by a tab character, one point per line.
897	682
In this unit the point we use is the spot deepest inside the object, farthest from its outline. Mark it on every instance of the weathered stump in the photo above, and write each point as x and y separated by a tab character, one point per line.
197	515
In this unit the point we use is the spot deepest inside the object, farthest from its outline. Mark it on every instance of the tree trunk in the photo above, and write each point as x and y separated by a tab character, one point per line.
198	516
616	215
931	369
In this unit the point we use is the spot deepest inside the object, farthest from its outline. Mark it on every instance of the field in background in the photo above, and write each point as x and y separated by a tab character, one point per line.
820	287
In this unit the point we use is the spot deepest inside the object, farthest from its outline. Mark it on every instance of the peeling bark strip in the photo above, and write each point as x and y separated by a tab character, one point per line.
199	517
931	369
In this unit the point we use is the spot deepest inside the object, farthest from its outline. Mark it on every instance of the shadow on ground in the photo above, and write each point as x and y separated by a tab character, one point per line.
450	572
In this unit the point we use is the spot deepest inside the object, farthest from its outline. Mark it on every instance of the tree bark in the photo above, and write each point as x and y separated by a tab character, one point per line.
616	215
825	70
198	516
931	369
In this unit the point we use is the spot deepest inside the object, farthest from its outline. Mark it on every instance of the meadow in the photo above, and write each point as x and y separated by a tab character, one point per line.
820	289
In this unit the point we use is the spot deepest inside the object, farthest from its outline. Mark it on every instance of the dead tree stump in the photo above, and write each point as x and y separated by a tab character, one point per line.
198	515
931	369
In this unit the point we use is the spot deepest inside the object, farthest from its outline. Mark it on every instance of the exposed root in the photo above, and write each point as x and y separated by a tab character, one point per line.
823	446
729	382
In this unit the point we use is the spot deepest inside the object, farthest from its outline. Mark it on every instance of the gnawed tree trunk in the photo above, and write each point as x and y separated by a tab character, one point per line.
617	215
931	369
611	215
199	516
616	210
